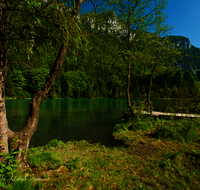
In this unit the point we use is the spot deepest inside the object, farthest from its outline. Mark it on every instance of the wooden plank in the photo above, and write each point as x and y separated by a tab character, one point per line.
157	114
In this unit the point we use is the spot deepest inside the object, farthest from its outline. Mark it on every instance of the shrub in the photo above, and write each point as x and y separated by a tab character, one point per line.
53	143
8	169
44	160
186	130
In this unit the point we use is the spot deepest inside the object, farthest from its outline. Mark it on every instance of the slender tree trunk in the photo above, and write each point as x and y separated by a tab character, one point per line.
149	94
129	67
24	136
128	86
129	64
3	120
150	85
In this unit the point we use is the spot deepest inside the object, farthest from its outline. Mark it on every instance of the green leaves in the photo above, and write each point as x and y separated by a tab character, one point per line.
33	3
75	83
38	20
18	79
35	79
8	170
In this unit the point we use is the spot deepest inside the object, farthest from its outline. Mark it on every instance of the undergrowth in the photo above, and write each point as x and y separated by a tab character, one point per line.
154	154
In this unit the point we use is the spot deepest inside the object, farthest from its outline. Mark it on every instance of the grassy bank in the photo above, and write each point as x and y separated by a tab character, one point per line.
155	154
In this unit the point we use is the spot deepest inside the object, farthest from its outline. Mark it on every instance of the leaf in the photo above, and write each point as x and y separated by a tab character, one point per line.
38	20
9	168
2	170
15	166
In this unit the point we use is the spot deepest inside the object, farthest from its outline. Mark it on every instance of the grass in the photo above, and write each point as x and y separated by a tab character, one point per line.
155	154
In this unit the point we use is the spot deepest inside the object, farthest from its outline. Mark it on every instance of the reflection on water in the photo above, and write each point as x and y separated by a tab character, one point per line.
73	119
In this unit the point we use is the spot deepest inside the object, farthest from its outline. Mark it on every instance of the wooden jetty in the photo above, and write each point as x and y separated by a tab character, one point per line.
157	114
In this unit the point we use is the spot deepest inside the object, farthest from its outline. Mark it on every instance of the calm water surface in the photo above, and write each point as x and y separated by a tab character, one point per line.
72	119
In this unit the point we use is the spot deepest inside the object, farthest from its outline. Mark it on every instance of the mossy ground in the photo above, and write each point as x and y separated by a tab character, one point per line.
155	154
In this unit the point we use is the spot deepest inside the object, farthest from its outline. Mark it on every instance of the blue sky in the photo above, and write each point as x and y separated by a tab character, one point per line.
185	16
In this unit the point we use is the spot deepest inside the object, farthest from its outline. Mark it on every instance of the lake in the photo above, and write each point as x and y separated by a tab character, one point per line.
73	119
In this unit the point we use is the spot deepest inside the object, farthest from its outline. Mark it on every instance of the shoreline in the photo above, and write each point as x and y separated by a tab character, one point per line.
149	157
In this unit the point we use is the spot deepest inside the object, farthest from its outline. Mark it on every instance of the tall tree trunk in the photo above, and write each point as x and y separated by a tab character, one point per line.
150	85
129	64
149	94
23	137
3	120
19	141
129	68
128	86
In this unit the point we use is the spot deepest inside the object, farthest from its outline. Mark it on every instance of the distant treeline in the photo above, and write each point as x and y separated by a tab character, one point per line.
86	73
101	82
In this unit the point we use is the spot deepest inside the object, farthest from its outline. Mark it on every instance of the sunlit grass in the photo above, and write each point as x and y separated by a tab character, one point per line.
168	147
155	154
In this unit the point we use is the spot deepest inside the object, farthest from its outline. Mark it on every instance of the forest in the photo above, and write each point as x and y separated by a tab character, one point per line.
89	72
120	49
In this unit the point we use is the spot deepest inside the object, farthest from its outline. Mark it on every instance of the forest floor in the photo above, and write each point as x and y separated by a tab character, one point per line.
155	154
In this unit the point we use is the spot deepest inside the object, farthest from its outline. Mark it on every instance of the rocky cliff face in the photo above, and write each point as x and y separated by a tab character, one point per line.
189	60
183	44
180	41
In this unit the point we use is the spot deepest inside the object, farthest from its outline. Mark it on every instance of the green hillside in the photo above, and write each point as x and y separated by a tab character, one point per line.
190	59
87	72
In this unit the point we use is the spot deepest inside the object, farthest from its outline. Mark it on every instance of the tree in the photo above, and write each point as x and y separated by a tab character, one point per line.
135	17
155	51
65	22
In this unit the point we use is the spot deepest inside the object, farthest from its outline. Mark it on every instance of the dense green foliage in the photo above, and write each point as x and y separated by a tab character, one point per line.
88	70
84	76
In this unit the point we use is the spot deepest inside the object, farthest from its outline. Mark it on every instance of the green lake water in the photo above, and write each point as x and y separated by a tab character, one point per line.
73	119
